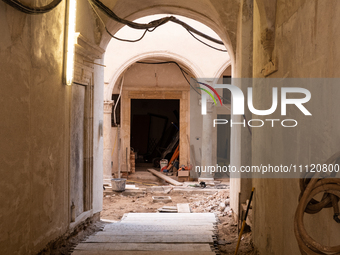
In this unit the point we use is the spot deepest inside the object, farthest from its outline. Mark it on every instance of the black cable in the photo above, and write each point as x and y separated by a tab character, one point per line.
32	10
126	40
172	62
205	42
185	72
151	24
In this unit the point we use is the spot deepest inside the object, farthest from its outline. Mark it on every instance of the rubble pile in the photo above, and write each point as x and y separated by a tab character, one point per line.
218	203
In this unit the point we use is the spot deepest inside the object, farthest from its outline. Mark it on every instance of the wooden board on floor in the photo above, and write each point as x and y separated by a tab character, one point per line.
142	247
122	232
165	178
153	234
183	208
155	228
165	223
187	216
198	238
143	253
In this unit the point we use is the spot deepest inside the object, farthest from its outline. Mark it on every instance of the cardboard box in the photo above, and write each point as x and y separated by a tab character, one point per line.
183	173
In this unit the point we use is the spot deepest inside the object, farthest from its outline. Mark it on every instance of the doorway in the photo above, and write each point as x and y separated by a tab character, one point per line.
154	124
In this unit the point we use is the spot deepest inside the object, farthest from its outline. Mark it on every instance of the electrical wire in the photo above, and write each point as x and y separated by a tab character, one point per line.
186	73
32	10
153	25
117	38
183	73
180	68
205	42
150	27
126	40
311	186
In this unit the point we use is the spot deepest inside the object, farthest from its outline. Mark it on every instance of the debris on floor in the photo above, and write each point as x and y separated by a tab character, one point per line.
206	200
183	208
168	209
163	199
218	203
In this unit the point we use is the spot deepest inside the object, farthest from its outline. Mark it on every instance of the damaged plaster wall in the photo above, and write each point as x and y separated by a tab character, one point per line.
35	129
306	40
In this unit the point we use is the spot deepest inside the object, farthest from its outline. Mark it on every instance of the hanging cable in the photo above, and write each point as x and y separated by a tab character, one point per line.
32	10
186	73
205	42
180	68
311	186
117	38
154	24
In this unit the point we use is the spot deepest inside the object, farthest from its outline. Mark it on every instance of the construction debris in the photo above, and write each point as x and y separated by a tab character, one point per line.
218	203
165	178
168	209
183	208
163	199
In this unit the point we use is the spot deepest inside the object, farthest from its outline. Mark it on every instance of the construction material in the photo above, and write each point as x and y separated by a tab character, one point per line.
183	208
244	221
162	199
132	161
129	186
108	252
168	209
175	155
183	175
154	233
165	178
118	184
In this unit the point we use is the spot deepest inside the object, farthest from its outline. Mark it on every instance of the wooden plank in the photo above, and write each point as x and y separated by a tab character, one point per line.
164	223
159	228
142	247
164	215
78	252
198	238
165	178
142	219
151	233
183	208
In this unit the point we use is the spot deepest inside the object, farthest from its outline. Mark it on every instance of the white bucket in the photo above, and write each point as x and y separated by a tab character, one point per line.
163	163
118	184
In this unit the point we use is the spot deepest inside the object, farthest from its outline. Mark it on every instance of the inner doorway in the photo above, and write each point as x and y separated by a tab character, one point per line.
154	125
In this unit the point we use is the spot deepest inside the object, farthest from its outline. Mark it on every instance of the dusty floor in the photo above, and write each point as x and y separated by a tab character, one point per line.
116	205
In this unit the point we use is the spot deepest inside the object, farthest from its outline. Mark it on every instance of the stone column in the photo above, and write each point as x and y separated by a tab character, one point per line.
107	169
207	146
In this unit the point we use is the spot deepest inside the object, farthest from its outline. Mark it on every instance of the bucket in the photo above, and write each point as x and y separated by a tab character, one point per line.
118	184
163	163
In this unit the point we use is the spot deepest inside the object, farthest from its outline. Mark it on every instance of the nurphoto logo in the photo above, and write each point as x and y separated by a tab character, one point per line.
238	102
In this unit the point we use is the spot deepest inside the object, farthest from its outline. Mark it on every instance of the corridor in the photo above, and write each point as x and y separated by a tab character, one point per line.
239	91
154	234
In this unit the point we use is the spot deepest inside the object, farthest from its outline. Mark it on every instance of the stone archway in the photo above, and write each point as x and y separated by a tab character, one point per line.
181	93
